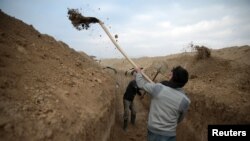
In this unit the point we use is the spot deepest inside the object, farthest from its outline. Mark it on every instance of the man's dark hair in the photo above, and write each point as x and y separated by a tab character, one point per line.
179	76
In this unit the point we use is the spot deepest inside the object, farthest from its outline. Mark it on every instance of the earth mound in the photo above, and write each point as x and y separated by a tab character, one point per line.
48	91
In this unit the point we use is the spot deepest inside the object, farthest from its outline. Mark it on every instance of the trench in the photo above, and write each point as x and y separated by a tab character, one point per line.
137	132
203	111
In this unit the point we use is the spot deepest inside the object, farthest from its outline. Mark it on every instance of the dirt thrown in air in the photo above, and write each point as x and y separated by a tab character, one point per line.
202	52
79	21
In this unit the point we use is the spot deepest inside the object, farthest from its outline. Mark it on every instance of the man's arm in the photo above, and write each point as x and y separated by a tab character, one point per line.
143	84
183	109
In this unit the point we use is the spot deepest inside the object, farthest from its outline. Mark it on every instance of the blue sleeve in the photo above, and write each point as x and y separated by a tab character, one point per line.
184	105
143	84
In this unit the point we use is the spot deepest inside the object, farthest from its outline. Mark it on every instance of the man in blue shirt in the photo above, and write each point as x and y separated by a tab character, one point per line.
168	106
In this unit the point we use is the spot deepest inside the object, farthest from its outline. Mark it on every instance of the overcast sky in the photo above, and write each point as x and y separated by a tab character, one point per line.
144	28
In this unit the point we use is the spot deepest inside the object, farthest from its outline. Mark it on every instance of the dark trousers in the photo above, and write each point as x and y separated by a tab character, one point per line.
128	105
155	137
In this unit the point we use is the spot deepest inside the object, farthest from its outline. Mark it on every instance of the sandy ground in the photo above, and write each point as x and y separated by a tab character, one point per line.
48	91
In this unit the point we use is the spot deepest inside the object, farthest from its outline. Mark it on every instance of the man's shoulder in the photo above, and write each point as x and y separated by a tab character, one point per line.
184	95
179	92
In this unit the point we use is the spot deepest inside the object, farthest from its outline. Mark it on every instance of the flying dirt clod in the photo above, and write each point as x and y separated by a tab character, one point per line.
79	21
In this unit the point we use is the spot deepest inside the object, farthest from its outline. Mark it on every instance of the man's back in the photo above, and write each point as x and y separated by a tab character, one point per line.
131	91
166	108
168	105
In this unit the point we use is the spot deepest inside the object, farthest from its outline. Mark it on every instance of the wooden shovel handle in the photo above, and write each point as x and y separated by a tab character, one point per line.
122	52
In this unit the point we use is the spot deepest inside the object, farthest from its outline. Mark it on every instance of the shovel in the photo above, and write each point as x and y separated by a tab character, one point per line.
120	49
160	68
81	22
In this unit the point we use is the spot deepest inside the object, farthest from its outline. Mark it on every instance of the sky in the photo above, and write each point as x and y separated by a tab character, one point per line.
144	28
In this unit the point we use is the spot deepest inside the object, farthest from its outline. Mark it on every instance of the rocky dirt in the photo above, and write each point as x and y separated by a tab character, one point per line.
48	91
79	21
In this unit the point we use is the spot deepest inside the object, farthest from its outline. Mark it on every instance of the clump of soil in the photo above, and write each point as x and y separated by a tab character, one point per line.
202	52
116	37
79	21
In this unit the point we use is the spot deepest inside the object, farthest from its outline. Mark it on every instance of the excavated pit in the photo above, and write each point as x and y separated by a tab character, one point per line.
218	88
48	91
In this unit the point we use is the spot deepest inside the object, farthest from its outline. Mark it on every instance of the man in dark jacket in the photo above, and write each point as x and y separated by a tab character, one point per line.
131	91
